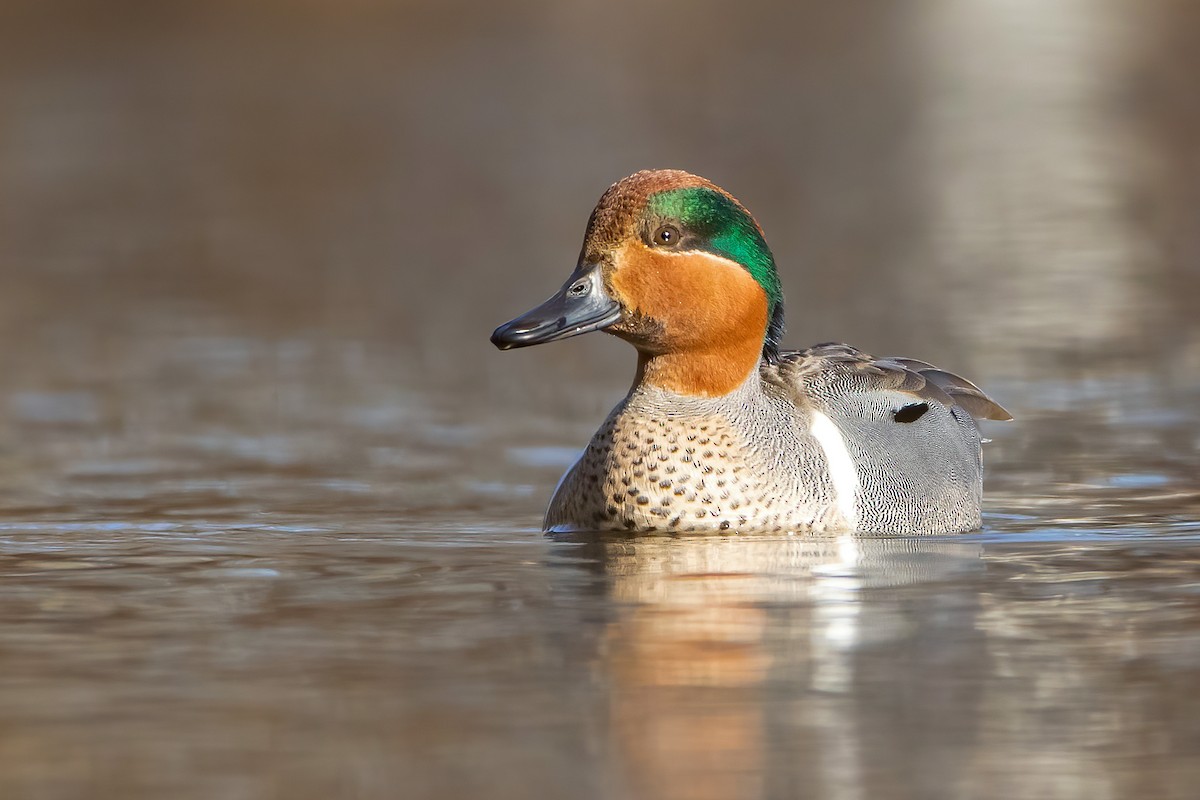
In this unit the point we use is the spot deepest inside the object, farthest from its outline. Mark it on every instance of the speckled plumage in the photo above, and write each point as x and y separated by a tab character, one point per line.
750	460
721	429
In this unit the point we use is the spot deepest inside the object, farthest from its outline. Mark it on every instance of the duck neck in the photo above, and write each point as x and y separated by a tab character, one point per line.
712	372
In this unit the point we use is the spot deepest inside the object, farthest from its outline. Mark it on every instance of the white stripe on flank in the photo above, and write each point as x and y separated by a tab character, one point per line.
842	473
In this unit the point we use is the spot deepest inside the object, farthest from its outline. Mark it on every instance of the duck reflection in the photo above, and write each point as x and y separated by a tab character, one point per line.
722	646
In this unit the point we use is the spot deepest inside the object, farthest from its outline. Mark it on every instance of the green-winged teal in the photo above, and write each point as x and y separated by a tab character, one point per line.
722	429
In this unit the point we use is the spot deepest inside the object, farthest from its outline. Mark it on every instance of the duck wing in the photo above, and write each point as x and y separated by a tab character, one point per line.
833	368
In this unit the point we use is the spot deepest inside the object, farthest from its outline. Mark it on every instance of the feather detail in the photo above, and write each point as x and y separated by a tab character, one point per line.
843	363
966	394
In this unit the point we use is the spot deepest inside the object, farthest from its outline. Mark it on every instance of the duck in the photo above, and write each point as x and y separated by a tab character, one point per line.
722	429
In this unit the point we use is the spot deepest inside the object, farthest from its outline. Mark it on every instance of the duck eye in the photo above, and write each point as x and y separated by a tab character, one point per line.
666	236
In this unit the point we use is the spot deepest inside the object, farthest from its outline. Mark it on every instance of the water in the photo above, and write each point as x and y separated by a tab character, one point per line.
270	507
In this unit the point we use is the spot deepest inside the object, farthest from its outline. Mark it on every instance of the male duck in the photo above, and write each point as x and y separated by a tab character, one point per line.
722	429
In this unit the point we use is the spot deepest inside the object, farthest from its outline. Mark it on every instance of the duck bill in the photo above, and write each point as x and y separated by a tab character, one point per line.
582	305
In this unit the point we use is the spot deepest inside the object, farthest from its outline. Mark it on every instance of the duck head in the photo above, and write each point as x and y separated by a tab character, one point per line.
675	265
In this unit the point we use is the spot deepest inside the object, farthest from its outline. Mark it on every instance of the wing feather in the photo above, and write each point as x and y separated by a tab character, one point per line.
834	362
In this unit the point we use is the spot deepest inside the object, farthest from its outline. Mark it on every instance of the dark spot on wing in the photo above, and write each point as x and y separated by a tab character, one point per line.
911	412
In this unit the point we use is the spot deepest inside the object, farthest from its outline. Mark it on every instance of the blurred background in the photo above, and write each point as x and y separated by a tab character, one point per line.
239	209
251	253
